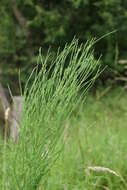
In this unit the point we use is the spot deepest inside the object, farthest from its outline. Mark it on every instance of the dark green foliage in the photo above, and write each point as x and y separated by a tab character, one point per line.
53	23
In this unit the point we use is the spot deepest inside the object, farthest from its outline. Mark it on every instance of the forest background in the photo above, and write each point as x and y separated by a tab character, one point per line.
27	25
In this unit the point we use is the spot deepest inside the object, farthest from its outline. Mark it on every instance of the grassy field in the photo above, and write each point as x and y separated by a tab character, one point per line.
96	137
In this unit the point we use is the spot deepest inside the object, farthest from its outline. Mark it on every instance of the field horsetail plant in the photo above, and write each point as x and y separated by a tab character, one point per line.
58	88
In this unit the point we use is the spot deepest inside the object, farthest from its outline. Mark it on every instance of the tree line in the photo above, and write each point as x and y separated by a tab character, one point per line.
27	25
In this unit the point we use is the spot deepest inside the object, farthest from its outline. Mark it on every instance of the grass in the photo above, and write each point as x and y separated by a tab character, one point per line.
58	89
101	127
67	143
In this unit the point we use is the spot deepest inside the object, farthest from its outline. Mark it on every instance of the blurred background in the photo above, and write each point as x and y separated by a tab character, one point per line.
27	25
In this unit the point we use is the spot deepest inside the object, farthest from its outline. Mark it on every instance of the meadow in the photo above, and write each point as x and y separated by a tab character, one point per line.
97	137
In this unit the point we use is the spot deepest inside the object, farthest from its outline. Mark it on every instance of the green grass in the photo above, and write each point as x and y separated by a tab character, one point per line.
58	89
62	135
101	127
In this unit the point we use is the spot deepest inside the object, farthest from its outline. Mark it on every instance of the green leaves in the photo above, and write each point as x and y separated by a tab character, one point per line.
49	23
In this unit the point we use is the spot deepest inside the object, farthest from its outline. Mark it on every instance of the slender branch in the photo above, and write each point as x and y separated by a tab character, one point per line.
20	18
23	24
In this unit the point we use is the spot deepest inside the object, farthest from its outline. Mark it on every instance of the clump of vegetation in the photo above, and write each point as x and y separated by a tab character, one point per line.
59	87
